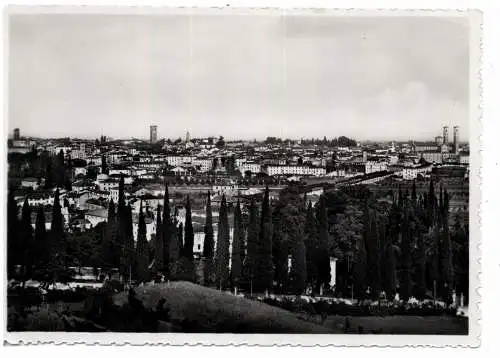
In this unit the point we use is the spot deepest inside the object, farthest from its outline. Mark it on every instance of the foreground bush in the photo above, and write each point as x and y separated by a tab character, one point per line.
366	308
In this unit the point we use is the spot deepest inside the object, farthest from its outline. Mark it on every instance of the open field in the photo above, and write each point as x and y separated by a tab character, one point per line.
197	309
221	312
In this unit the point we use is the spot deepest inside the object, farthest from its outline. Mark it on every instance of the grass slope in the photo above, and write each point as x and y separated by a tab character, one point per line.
210	310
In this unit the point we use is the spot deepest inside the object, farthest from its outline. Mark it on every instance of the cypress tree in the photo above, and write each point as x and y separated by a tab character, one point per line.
311	244
238	247
360	271
360	263
446	264
180	238
208	245
158	255
166	232
322	254
441	208
405	282
400	199
49	175
130	240
26	241
373	258
57	231
104	165
126	243
433	270
13	247
390	283
121	195
280	251
222	247
142	250
60	169
414	193
188	232
298	270
175	253
42	244
386	265
421	286
121	228
252	246
264	268
108	245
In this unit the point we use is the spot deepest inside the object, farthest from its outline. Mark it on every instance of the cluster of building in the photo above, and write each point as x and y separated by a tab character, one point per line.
236	169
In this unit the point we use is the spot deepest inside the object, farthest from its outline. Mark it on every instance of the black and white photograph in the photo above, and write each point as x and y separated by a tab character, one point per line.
260	172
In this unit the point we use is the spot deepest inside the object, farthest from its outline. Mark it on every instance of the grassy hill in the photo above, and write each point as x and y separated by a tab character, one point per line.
206	310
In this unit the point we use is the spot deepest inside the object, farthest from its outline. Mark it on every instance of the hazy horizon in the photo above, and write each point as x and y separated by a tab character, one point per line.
242	77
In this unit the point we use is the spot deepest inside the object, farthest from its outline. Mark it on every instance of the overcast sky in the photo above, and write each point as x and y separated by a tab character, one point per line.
245	76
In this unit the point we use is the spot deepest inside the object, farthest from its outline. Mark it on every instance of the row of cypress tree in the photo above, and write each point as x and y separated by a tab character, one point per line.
35	254
172	246
406	250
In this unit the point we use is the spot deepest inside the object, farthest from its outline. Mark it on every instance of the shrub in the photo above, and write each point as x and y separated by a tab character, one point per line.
364	308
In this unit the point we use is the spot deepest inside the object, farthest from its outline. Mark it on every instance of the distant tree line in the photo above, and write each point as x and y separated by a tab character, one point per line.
341	141
56	170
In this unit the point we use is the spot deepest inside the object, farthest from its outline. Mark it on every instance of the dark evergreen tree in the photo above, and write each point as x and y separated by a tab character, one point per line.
49	175
264	267
405	281
446	263
175	252
251	259
208	245
298	269
238	247
121	196
433	261
188	232
390	283
222	247
359	269
460	257
311	244
26	236
60	169
109	248
57	241
42	243
387	261
142	256
280	251
121	230
180	239
130	244
414	193
13	231
126	243
373	259
322	254
166	232
420	282
158	253
104	165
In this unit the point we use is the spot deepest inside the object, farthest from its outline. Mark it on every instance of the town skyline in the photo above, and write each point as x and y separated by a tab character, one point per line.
145	137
